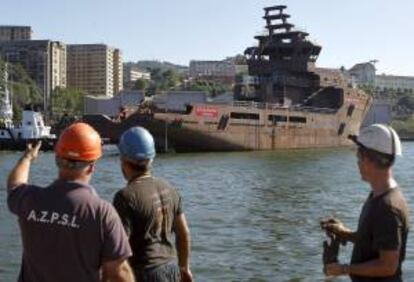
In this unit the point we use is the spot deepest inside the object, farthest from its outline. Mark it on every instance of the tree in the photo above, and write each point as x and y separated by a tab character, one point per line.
238	59
66	100
214	88
170	79
141	84
23	89
406	101
166	80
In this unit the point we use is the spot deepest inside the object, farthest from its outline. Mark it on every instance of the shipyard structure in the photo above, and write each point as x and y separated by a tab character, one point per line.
281	104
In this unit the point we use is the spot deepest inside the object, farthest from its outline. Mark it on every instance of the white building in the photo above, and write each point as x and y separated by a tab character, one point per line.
394	82
212	69
364	74
132	73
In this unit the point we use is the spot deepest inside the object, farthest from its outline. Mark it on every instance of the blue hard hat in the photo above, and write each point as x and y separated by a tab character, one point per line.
137	144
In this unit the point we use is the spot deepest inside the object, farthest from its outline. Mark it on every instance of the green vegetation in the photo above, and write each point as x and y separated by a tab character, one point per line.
406	101
160	81
402	103
141	84
237	59
165	80
212	87
67	101
23	89
172	80
404	127
170	77
404	114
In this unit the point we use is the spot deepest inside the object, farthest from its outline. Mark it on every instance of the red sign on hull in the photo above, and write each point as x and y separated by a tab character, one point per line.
206	112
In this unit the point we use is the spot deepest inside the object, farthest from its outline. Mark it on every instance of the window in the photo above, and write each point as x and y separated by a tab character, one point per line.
341	129
245	116
277	118
350	110
297	119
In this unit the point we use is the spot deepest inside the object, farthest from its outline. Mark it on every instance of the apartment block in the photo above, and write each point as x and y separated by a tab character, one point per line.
132	73
118	71
94	68
222	71
15	33
43	60
212	68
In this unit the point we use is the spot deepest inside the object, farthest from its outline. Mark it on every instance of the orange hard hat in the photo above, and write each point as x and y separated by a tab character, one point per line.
79	142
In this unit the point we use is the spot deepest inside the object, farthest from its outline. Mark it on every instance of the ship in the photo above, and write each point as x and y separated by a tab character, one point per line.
282	104
32	128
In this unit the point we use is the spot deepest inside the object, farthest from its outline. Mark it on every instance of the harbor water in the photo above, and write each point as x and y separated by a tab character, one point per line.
253	216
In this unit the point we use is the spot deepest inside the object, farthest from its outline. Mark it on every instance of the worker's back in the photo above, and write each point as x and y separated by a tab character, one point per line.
148	207
67	231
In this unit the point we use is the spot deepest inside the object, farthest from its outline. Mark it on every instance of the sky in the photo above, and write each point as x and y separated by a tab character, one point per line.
350	32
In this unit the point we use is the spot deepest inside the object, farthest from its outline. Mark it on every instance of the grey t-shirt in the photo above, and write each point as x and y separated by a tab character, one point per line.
383	225
148	208
67	232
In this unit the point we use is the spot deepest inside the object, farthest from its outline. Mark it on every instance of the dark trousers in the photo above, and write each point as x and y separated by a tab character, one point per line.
168	272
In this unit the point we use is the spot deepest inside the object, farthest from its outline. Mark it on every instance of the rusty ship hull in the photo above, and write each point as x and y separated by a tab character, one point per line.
210	128
244	126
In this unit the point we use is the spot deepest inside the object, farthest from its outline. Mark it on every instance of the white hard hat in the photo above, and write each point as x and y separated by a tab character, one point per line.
380	138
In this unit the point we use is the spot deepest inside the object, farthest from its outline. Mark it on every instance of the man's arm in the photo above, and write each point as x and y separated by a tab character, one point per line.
335	226
348	235
20	173
183	247
386	265
117	271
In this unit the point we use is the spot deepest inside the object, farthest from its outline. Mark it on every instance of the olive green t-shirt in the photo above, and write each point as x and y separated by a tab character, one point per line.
148	208
383	225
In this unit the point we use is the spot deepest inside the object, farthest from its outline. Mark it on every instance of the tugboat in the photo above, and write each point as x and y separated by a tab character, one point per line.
283	104
32	128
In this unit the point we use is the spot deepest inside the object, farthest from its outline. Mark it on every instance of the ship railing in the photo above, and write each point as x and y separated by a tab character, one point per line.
258	105
270	106
315	109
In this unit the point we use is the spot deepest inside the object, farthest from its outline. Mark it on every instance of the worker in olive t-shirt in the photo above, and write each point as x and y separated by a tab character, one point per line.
69	234
151	212
381	238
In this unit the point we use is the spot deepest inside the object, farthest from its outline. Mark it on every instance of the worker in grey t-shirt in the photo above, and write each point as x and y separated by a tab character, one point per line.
68	232
152	214
381	237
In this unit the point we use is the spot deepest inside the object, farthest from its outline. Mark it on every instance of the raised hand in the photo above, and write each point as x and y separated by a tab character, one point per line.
32	151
